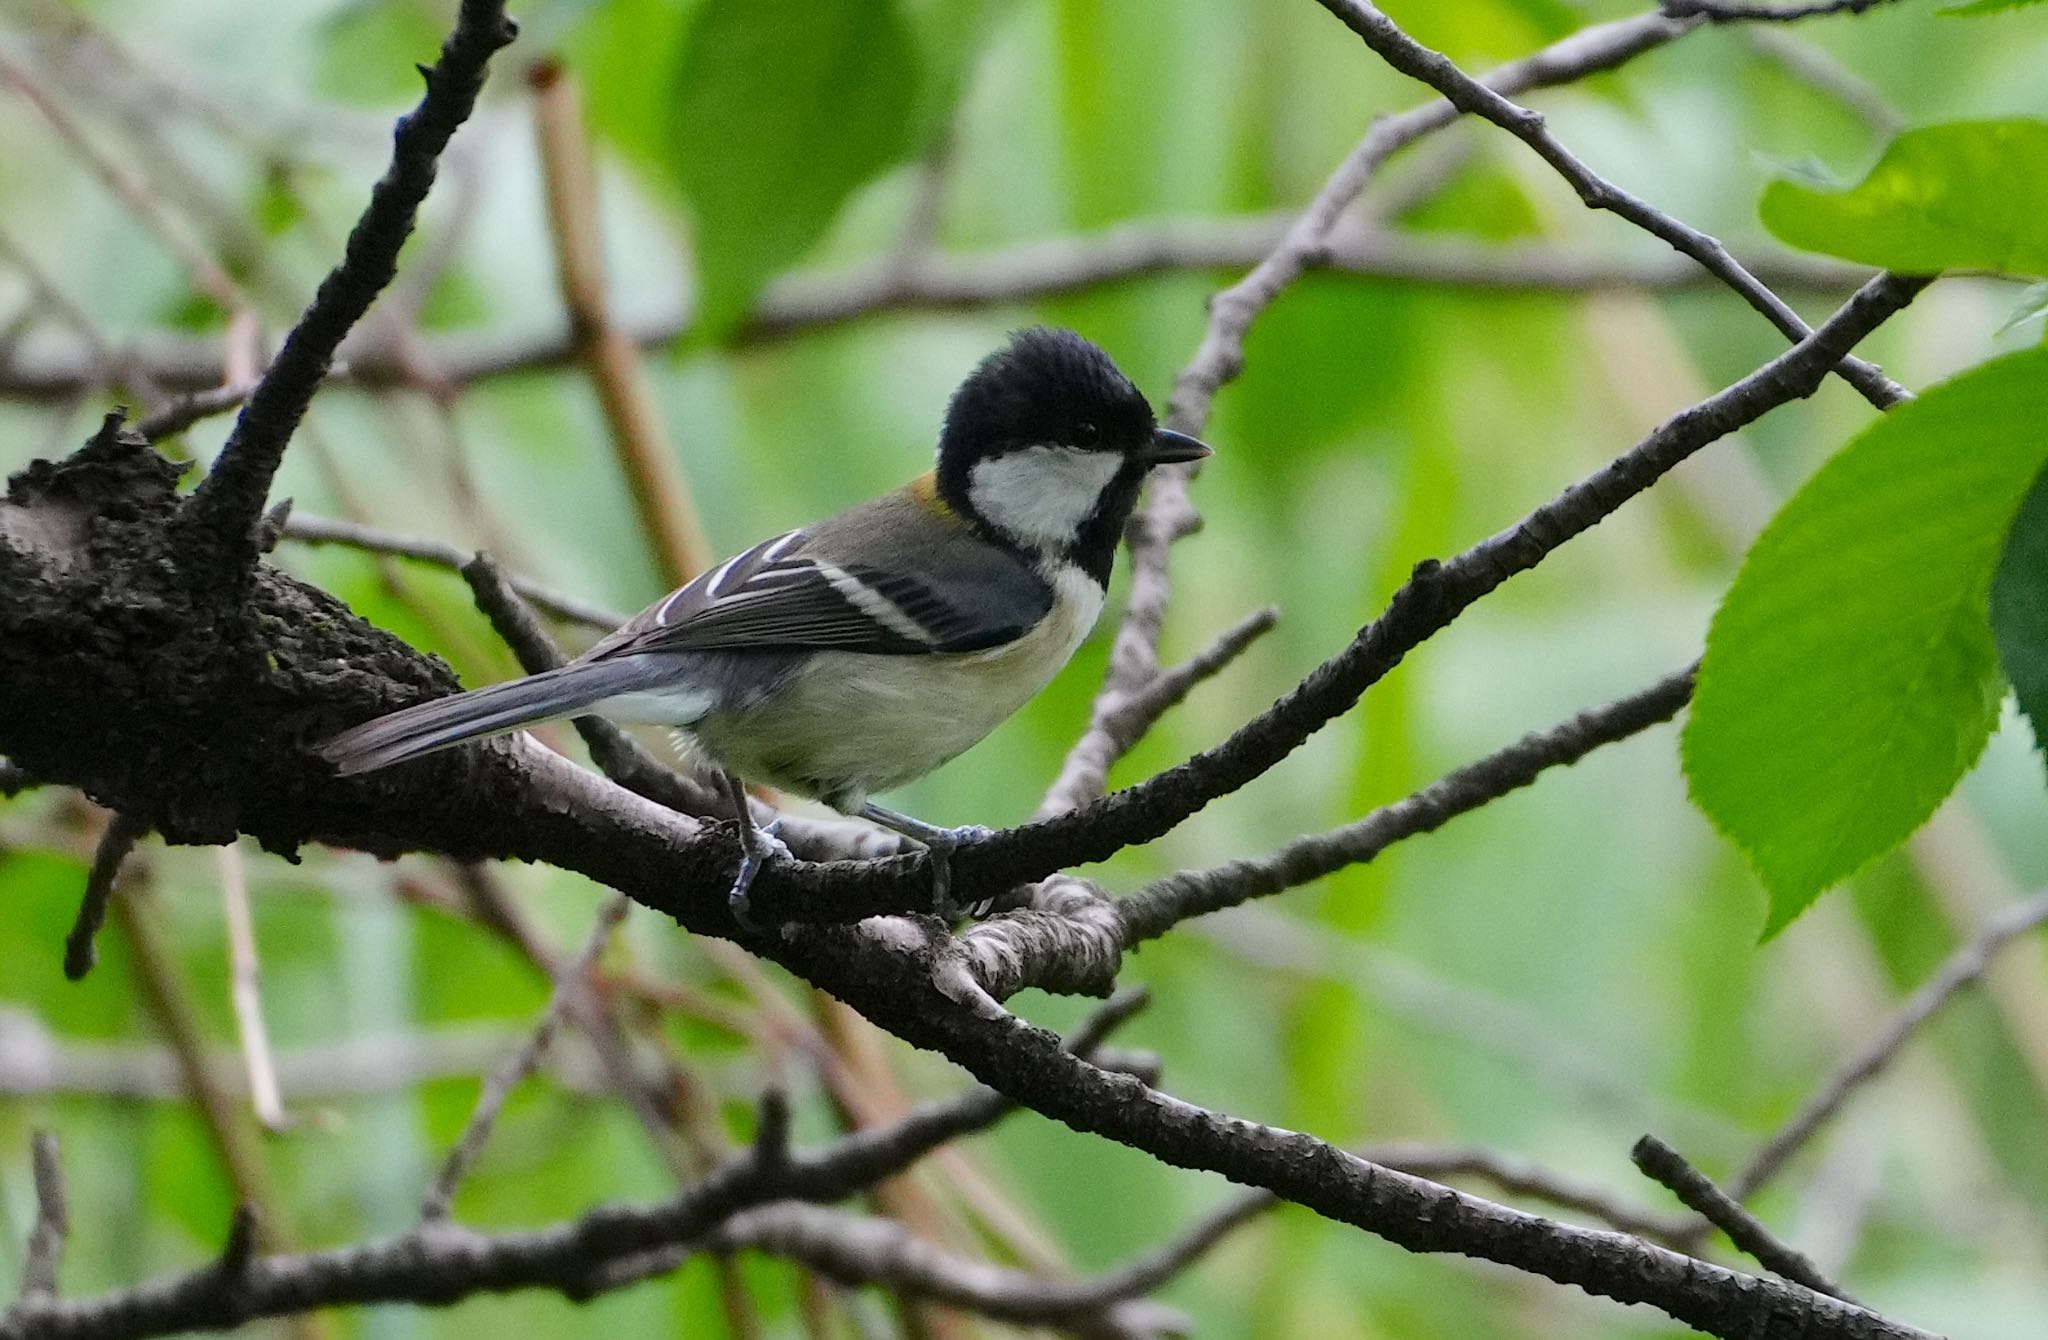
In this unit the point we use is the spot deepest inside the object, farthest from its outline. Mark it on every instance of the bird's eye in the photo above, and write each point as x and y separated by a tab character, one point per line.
1086	435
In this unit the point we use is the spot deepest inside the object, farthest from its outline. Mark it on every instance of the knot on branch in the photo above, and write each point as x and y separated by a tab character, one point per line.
1069	941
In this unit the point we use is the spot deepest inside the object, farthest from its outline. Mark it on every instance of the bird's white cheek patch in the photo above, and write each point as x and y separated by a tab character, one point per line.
1041	495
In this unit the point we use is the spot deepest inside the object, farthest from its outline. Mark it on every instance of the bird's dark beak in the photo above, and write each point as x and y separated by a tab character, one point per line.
1169	447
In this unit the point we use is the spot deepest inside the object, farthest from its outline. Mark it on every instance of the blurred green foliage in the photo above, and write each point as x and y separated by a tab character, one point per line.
1552	976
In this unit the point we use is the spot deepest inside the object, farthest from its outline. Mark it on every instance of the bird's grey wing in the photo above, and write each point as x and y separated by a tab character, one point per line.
886	578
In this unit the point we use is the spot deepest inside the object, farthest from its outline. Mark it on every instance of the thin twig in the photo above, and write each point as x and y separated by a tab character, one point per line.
572	981
45	1252
192	408
440	1260
1167	513
203	270
1158	908
1669	1168
1121	720
1961	969
318	530
1411	58
122	833
168	999
1820	71
805	303
221	517
1721	11
616	753
245	979
667	515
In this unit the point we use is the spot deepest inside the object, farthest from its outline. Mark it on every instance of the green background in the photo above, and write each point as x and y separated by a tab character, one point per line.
1552	977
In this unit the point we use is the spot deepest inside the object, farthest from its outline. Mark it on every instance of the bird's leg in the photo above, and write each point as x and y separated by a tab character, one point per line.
940	842
757	845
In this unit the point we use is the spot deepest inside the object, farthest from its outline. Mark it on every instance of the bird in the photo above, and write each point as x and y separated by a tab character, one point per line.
857	654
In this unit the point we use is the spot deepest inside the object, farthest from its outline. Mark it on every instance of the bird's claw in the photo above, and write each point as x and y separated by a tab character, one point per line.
759	847
942	843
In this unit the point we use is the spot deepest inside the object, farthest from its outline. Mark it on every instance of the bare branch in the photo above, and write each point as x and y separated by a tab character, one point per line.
805	303
1519	1177
191	408
441	1261
1121	719
1167	514
1419	62
122	833
1154	910
45	1251
572	981
1819	70
1669	1168
1722	11
245	976
221	517
317	530
614	751
1961	969
862	1249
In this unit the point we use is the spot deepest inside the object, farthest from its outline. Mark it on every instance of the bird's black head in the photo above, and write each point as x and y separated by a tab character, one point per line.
1046	444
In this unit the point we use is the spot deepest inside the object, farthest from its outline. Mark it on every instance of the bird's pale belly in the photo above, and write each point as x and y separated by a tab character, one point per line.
851	724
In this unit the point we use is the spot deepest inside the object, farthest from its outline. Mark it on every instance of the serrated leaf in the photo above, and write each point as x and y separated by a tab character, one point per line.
2019	608
1966	195
783	108
1850	677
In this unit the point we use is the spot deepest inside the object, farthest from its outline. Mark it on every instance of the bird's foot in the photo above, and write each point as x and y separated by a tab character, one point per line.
759	847
941	843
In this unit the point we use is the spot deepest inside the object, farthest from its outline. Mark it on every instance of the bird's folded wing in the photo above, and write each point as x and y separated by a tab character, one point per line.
783	595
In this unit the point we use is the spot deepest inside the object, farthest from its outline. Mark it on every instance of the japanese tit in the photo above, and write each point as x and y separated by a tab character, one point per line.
862	652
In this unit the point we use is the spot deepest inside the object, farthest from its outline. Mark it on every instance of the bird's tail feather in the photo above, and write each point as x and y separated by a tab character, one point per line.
566	691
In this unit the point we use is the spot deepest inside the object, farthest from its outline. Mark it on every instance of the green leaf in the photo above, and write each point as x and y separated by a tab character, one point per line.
1850	677
782	109
2019	608
1966	195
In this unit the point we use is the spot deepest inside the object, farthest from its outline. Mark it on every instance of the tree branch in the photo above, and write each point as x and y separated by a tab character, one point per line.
1719	11
1153	911
80	952
440	1262
45	1253
1666	1166
571	980
1411	58
221	519
1961	969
